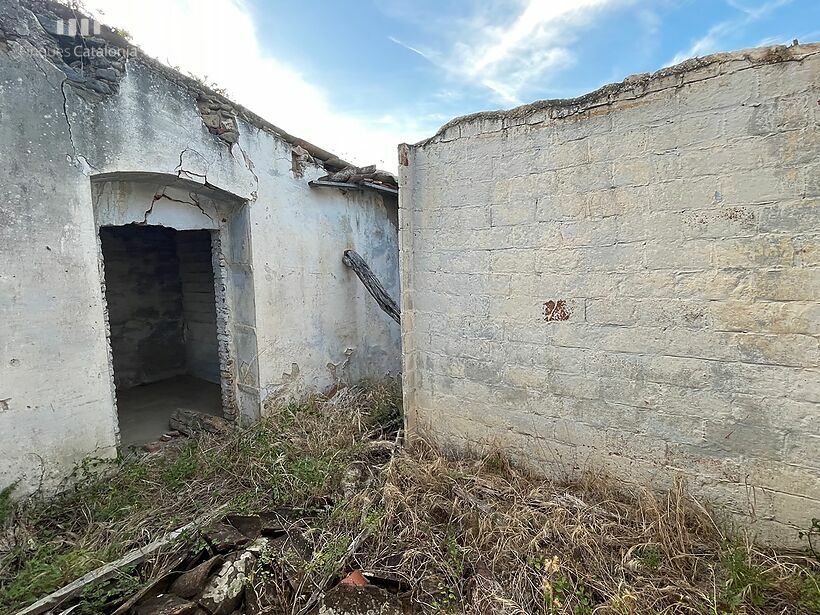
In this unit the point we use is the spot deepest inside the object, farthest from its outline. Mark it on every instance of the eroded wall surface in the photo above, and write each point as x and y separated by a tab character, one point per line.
629	281
299	320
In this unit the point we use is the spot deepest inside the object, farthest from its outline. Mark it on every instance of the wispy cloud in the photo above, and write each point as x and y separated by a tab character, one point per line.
408	47
184	33
720	37
510	45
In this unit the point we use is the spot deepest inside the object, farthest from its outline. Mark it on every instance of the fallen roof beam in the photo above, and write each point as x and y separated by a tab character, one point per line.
372	284
322	183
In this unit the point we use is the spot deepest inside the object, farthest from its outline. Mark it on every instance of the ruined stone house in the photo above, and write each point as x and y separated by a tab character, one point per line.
162	247
625	282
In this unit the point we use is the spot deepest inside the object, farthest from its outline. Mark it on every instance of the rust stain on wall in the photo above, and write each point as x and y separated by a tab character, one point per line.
556	310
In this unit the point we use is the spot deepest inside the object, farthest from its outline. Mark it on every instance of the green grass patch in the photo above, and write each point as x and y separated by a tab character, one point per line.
6	505
747	583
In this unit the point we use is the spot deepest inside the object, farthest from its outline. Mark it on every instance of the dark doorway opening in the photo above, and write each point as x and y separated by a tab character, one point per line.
162	315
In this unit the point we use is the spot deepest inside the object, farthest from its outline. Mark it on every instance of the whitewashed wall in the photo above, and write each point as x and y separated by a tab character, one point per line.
313	321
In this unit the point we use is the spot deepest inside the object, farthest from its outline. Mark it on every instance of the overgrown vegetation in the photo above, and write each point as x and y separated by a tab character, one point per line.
467	536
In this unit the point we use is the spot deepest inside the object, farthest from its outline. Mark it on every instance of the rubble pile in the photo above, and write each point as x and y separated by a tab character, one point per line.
257	564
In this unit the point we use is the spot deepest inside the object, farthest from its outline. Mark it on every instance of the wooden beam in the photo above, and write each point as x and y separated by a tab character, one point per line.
372	284
319	183
132	558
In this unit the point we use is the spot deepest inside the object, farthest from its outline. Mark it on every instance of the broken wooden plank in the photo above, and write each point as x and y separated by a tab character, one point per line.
372	284
351	186
106	571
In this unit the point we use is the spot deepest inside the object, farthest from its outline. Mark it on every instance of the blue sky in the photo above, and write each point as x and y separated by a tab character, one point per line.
358	77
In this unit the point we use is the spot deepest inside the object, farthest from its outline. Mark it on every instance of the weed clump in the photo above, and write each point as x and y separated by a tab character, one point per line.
480	535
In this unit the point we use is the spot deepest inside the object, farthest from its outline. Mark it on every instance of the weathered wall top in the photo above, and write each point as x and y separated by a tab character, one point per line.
632	88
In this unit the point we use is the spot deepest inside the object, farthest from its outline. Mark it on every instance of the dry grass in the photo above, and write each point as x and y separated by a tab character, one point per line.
468	536
483	537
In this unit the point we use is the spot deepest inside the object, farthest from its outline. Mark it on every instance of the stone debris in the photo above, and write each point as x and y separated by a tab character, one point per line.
190	422
256	565
368	600
224	592
193	582
164	440
355	579
152	447
166	604
223	537
362	175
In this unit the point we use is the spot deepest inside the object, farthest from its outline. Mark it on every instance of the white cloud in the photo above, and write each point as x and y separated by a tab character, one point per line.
508	58
408	47
720	37
217	40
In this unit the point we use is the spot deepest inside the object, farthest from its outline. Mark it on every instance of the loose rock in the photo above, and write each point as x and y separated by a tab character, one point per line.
223	537
191	422
223	593
166	604
192	582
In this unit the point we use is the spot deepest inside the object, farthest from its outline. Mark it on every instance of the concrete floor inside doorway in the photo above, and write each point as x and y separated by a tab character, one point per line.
144	410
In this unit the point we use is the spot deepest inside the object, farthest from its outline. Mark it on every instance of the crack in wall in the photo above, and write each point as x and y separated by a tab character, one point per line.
161	195
148	211
65	113
180	171
198	206
85	165
252	169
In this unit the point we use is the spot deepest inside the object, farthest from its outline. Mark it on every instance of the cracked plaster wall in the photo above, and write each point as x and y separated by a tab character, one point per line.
628	282
307	309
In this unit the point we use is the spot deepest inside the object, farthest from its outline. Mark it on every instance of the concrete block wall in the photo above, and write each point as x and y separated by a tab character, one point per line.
144	299
198	304
628	281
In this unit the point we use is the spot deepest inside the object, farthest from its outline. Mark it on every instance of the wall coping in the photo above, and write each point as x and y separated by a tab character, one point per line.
633	87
